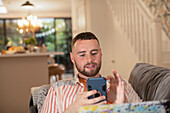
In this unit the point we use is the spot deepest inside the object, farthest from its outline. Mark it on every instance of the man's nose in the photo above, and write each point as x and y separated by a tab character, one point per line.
89	58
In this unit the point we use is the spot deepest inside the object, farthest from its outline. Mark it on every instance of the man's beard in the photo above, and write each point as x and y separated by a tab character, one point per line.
92	73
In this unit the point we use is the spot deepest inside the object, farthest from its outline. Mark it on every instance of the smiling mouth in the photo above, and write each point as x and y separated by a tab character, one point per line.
90	66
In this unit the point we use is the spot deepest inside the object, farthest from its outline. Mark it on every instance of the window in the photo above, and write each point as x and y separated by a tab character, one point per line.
55	33
1	34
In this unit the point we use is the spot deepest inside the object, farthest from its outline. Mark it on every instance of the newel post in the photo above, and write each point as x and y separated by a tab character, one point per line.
157	42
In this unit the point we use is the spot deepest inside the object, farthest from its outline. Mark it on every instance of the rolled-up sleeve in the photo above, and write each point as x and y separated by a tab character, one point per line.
130	94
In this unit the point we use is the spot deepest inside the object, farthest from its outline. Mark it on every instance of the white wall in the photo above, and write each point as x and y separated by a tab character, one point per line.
113	42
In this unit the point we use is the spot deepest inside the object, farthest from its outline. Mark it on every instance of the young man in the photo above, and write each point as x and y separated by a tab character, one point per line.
69	95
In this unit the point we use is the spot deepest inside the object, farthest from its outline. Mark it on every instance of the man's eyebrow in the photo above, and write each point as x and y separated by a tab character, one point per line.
81	52
95	50
85	51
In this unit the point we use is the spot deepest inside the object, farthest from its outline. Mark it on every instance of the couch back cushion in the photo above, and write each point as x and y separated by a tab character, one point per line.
150	82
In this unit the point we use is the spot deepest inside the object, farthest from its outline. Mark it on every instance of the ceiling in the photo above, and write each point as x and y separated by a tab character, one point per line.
43	8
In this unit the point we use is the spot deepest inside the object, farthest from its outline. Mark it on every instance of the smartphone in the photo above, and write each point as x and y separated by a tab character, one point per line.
98	84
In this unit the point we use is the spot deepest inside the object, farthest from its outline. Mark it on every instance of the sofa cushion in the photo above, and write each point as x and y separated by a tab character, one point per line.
150	82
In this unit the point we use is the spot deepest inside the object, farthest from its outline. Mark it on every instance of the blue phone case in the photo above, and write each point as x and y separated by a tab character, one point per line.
98	84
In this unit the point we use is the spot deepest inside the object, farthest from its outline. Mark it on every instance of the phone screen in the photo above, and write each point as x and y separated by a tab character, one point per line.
98	84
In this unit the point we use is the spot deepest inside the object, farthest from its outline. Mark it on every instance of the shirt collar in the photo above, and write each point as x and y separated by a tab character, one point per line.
76	79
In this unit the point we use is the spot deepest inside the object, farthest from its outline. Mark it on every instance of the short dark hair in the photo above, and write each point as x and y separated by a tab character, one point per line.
84	36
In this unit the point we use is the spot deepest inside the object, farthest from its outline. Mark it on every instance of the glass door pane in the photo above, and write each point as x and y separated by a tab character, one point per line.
14	38
63	42
1	35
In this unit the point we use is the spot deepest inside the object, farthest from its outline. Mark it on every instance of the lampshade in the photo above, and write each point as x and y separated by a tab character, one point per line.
3	10
28	5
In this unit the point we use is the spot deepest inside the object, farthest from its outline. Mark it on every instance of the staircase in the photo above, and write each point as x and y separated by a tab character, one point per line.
145	28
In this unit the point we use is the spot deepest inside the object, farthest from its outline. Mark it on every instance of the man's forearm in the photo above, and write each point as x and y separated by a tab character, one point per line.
71	109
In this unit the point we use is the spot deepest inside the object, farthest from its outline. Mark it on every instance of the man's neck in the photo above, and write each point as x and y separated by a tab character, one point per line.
85	77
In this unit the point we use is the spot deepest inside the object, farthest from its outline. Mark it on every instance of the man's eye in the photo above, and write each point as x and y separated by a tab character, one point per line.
94	53
82	55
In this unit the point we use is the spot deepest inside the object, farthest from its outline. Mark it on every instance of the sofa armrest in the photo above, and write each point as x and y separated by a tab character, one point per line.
32	108
38	95
42	93
150	82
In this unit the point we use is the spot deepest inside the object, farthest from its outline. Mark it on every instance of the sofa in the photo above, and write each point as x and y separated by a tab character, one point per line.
150	82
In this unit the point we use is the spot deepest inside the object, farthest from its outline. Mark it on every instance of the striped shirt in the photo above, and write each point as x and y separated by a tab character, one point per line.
64	92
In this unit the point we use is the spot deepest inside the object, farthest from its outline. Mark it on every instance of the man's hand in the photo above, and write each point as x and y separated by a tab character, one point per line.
115	92
82	100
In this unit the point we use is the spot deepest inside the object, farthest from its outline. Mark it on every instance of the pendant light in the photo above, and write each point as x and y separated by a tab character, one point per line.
27	5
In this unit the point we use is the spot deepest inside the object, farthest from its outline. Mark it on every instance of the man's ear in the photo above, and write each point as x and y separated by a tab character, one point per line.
101	51
71	57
